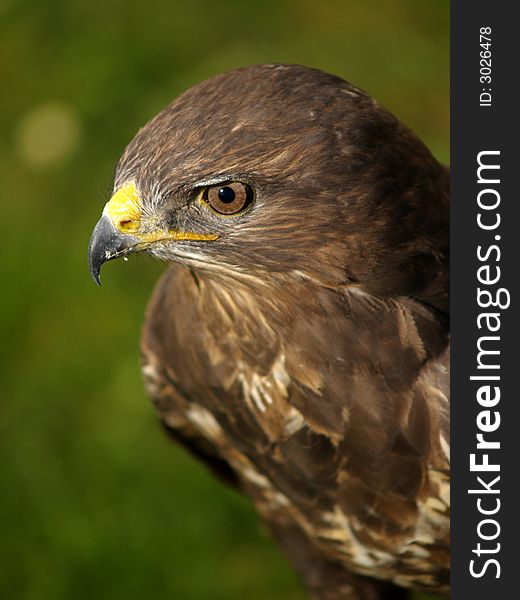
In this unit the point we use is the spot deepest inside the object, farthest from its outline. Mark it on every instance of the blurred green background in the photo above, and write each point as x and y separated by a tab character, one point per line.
94	501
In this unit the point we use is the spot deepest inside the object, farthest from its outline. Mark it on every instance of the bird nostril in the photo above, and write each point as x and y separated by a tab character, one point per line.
127	225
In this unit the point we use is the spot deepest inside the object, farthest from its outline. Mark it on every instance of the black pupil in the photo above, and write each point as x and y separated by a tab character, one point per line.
226	194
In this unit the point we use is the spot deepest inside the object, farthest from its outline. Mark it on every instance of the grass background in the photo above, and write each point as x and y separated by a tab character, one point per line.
94	502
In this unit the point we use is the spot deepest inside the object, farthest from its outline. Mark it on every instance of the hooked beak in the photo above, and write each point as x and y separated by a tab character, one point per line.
105	244
113	236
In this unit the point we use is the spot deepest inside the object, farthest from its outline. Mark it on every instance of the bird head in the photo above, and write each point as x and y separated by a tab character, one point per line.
280	169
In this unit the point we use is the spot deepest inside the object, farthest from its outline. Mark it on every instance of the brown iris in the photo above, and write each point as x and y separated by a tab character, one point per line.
229	198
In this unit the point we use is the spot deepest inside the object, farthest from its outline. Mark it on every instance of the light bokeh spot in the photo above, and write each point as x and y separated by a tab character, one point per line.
47	135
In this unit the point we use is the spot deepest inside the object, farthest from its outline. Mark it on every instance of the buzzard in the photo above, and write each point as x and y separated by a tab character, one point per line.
298	341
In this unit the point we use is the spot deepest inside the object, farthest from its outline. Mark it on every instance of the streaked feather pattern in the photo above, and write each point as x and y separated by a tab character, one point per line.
335	428
303	355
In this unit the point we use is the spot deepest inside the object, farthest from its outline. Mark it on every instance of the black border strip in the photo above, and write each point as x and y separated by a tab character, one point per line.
480	128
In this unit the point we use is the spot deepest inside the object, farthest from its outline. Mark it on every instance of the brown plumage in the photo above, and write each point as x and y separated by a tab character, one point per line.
298	342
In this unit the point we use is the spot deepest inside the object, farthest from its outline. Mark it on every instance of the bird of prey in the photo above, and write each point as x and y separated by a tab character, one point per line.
298	341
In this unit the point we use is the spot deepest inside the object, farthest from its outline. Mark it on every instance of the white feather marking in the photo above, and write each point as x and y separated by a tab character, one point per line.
351	92
445	446
205	422
339	531
256	389
294	421
255	477
149	370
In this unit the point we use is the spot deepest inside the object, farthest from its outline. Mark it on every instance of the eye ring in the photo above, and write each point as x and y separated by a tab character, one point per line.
228	198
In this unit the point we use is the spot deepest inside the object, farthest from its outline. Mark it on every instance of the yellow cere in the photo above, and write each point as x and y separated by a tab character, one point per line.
124	208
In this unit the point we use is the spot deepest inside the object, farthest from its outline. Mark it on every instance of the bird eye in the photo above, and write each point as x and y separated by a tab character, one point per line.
230	198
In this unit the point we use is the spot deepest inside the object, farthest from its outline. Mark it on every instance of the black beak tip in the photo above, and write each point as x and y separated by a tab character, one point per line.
96	277
105	244
94	262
